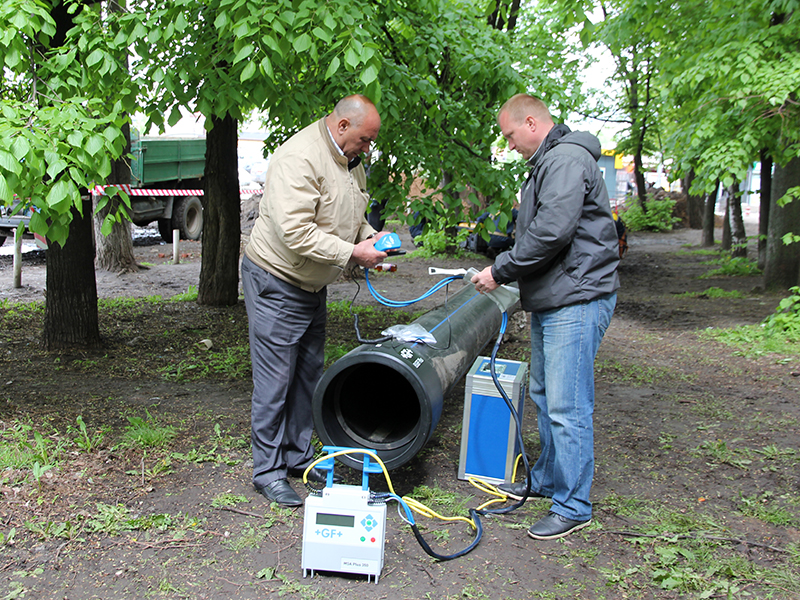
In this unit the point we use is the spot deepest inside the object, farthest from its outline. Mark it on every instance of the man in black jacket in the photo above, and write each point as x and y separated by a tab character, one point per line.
565	260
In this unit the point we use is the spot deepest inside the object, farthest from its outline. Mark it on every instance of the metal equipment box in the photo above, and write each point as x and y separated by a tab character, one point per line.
343	532
489	434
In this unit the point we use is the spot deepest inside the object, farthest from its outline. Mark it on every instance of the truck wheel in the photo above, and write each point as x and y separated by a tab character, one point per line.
187	216
165	229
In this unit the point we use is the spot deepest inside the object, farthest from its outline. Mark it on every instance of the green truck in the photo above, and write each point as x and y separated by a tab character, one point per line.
169	166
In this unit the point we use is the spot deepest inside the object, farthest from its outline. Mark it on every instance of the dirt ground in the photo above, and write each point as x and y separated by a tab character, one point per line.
692	441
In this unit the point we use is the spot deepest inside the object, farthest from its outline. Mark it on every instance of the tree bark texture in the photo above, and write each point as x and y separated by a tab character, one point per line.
707	240
70	316
726	221
694	203
738	234
782	266
763	208
219	267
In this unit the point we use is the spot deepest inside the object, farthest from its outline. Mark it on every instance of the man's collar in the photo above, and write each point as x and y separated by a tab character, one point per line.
335	145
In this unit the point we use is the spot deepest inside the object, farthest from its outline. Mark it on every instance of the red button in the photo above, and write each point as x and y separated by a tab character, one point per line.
372	539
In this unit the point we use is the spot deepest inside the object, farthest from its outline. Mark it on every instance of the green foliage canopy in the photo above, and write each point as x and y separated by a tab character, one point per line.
62	111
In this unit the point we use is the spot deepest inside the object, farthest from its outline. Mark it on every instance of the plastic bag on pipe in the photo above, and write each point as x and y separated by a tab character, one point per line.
410	333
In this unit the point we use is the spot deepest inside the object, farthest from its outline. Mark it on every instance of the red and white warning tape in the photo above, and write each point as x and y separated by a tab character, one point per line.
131	191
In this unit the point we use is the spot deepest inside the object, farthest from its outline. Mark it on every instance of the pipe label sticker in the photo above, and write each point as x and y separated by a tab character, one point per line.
408	354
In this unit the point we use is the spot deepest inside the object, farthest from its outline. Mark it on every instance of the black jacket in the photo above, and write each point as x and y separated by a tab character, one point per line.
566	248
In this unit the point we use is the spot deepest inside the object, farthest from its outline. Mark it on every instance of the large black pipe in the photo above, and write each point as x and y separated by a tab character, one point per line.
388	397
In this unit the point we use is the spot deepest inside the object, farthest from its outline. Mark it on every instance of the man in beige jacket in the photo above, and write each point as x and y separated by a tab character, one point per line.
311	225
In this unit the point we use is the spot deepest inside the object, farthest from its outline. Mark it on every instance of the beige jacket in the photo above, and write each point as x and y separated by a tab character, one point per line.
312	211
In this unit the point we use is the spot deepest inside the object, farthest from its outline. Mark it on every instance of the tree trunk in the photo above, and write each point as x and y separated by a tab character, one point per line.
707	240
694	203
783	261
641	186
219	270
726	221
738	234
115	251
763	208
70	316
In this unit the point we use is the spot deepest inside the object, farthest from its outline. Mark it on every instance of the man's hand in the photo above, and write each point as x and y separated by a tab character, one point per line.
365	255
484	282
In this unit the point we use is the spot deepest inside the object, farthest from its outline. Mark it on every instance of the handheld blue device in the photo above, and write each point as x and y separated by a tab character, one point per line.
389	243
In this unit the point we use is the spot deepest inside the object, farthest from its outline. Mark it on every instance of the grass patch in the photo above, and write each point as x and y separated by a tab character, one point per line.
779	333
190	295
147	433
768	508
230	363
728	266
638	375
713	292
752	341
719	452
699	252
687	552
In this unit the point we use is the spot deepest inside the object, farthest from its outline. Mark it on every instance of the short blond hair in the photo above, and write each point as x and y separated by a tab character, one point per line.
521	105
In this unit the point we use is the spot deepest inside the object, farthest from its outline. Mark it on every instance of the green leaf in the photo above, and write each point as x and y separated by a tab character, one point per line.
369	74
6	194
333	68
351	57
9	163
302	43
322	34
248	72
20	147
94	144
222	20
243	53
56	167
267	66
174	116
108	225
95	57
75	138
62	195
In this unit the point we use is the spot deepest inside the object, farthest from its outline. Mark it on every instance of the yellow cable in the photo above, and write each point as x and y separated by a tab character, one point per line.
372	455
416	506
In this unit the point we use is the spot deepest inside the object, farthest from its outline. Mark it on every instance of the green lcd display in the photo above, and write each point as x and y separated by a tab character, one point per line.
335	520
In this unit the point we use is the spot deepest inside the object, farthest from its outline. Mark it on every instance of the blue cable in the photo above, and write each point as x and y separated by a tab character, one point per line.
401	502
404	303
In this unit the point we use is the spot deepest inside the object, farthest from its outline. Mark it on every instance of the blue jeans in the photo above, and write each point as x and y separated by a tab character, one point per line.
564	343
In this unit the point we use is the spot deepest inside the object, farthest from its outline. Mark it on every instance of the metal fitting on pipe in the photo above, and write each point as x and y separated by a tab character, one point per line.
388	397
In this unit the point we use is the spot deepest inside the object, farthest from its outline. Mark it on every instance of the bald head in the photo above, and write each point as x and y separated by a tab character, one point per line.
354	107
354	124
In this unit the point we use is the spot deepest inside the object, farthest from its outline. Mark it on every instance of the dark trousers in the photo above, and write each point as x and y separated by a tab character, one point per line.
287	347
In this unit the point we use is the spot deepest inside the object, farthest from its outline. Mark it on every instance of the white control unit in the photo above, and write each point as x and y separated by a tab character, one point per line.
342	532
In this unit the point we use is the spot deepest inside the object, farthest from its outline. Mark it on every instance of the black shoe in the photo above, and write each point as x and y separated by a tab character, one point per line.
555	526
281	492
315	475
517	490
